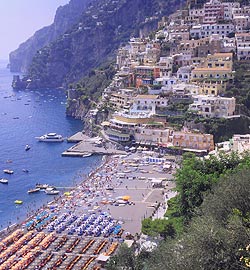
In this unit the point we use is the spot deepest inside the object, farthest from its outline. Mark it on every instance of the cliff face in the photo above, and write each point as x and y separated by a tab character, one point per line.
65	18
102	28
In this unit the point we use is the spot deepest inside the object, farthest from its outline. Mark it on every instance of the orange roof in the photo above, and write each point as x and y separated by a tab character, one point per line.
223	54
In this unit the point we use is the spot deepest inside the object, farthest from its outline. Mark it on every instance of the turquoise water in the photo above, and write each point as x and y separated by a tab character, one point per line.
25	115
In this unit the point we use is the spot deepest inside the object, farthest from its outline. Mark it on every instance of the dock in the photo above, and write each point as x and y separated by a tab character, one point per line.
78	137
86	146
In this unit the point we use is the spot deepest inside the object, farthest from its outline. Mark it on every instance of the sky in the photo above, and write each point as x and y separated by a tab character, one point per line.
20	19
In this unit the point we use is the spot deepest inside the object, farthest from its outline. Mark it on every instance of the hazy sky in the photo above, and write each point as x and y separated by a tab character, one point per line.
19	19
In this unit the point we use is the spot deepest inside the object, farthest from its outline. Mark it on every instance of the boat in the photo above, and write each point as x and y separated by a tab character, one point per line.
4	181
8	171
50	137
109	188
42	186
52	192
27	147
18	202
25	170
34	190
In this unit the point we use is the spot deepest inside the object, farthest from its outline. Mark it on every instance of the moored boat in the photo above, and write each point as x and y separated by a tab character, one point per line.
50	137
4	181
52	192
42	186
18	202
34	190
8	171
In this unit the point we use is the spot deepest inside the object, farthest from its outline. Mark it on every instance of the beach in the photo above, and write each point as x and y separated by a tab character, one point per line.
81	228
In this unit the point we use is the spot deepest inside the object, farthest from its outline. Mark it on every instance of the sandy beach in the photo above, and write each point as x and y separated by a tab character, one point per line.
80	229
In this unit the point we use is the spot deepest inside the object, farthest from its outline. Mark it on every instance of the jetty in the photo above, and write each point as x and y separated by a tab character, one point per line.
86	146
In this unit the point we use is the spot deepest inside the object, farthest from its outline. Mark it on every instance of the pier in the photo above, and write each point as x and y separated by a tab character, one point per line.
86	146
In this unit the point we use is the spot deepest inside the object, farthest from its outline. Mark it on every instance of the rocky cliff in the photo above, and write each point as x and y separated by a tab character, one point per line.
65	18
101	29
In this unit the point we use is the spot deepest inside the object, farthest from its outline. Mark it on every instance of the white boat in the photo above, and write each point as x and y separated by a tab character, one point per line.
27	147
34	190
8	171
42	186
50	137
52	192
4	181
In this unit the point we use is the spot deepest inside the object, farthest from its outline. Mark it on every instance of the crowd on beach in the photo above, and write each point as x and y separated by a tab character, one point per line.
90	213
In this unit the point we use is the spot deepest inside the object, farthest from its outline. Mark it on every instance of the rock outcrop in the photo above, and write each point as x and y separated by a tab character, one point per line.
65	18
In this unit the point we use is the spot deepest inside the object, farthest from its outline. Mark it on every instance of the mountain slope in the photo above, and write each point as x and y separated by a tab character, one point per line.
65	18
100	31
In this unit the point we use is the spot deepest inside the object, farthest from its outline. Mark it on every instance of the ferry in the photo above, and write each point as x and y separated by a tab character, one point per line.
34	190
50	137
8	171
4	181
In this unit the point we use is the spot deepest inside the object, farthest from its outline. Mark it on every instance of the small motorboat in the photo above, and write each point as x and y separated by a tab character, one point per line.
25	170
42	186
34	190
8	171
4	181
27	147
52	192
18	202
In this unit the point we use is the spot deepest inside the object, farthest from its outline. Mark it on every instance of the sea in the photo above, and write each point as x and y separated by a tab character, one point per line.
25	115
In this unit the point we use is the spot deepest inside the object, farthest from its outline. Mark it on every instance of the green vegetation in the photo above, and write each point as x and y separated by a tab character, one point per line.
214	202
92	86
240	87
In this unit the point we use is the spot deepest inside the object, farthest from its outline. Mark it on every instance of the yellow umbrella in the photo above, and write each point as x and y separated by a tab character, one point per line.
126	198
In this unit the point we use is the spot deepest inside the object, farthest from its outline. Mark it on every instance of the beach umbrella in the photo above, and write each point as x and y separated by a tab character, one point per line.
126	198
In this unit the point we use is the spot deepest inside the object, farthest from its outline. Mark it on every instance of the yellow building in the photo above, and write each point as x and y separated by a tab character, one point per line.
215	67
212	88
219	60
205	73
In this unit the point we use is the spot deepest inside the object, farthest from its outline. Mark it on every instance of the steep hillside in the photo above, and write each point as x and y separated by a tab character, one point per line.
100	31
65	18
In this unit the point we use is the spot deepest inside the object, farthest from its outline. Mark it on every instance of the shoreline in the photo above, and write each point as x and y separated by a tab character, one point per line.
120	191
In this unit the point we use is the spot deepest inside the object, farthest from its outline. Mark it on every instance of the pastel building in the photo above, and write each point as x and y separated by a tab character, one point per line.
214	107
193	141
147	104
243	46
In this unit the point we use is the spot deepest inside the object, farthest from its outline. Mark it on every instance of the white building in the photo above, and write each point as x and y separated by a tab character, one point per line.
222	29
166	84
147	104
241	143
184	73
211	106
